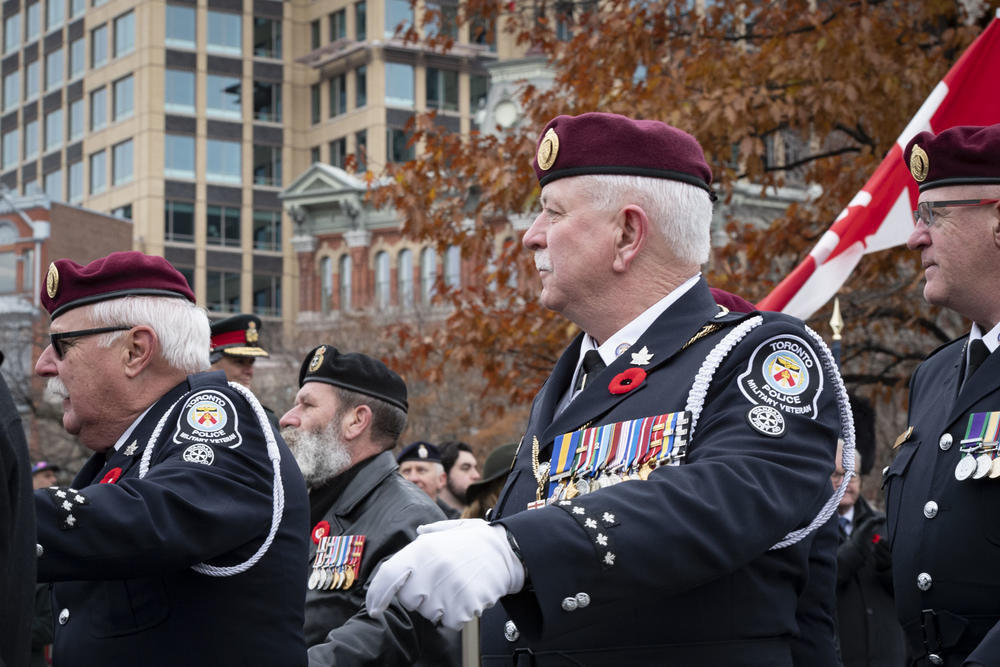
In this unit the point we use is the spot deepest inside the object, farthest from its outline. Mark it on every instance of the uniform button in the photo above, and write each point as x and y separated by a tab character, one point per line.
569	604
930	509
39	551
510	631
64	617
945	442
935	659
924	581
582	600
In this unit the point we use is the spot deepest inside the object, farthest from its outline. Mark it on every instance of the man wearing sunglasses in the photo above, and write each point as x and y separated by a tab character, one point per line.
181	541
944	482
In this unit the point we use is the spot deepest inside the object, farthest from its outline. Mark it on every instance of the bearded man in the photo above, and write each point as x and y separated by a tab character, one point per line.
348	414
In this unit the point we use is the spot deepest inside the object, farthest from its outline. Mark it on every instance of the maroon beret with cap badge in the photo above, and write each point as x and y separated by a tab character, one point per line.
962	155
605	143
70	285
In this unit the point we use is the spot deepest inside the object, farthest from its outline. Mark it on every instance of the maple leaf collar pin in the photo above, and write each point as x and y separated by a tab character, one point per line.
642	357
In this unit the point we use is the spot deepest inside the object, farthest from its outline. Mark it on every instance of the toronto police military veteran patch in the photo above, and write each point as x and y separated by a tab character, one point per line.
208	418
783	373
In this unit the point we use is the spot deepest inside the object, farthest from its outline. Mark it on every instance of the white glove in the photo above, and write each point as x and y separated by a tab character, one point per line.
451	573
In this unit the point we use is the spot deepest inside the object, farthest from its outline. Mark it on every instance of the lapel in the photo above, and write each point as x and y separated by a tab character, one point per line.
982	382
382	466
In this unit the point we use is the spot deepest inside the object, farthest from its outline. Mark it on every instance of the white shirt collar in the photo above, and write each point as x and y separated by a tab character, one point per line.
991	337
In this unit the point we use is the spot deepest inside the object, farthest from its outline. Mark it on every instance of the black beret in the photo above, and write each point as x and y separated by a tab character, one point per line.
355	372
419	451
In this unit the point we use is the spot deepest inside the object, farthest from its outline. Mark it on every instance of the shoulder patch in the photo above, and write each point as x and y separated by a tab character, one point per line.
199	454
208	418
784	373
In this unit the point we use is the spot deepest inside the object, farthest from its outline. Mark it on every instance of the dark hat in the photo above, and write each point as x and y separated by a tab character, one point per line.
44	465
237	336
963	155
69	285
497	465
419	451
605	143
355	372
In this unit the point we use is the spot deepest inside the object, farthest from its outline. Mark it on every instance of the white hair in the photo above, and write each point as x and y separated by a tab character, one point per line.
682	212
181	327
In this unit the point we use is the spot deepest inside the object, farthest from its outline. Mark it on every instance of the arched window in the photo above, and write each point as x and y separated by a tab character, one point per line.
326	281
404	276
382	285
453	267
428	274
345	282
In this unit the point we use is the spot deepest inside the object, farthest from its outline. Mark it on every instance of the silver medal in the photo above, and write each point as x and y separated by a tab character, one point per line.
966	466
314	579
582	487
983	463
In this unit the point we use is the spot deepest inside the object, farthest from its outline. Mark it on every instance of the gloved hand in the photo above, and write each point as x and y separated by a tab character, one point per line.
451	573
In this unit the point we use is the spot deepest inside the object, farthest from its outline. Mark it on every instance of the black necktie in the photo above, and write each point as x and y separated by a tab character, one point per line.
977	355
592	365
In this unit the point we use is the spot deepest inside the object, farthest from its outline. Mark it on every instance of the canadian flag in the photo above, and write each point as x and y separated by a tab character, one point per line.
881	215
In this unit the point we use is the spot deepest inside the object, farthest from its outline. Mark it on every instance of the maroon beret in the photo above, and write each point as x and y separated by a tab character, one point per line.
606	143
69	285
733	302
963	155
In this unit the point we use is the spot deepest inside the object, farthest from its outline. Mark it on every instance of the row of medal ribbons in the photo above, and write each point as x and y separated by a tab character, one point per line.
601	456
338	560
979	447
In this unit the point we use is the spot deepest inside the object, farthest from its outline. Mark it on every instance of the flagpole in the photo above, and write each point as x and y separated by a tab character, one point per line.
837	325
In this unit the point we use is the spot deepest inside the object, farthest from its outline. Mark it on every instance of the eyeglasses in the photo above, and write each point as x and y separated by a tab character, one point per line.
56	339
925	209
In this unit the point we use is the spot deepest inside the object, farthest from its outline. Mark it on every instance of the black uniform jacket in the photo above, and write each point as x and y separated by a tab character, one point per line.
121	551
944	533
379	504
677	569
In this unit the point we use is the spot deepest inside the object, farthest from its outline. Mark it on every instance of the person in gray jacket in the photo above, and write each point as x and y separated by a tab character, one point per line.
348	414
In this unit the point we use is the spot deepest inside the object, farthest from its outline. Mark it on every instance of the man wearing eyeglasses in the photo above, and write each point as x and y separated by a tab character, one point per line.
943	486
181	541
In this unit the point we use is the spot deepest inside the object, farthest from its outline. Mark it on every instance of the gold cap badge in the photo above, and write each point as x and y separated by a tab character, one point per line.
920	164
252	333
548	150
52	281
317	359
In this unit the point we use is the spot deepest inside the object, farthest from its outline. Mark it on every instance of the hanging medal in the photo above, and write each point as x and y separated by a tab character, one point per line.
984	461
970	445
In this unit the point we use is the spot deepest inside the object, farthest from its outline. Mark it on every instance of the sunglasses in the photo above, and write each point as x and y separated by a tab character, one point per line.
57	339
925	210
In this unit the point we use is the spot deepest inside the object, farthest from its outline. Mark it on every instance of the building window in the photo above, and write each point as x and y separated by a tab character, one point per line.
338	152
344	272
398	17
98	46
77	7
77	58
442	89
314	155
267	165
361	149
121	163
178	221
224	33
483	32
11	91
12	33
76	119
75	182
53	129
360	21
478	87
222	96
98	172
11	144
338	25
399	147
453	267
8	261
267	101
314	103
30	187
223	226
428	274
224	160
53	185
124	34
178	156
314	34
399	85
33	21
124	97
382	285
181	23
222	291
31	80
446	22
55	14
98	108
338	95
326	280
53	70
179	91
31	140
267	230
360	87
266	38
404	278
123	212
266	295
98	3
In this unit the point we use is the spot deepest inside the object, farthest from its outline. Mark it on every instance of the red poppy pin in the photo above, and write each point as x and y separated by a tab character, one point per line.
320	530
627	380
112	476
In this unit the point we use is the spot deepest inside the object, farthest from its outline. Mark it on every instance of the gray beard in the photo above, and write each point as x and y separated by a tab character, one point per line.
321	455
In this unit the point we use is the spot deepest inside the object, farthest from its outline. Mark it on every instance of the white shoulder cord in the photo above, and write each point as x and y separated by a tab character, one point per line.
278	506
699	390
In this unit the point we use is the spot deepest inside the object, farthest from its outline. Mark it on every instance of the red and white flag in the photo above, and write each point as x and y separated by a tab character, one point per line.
881	215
